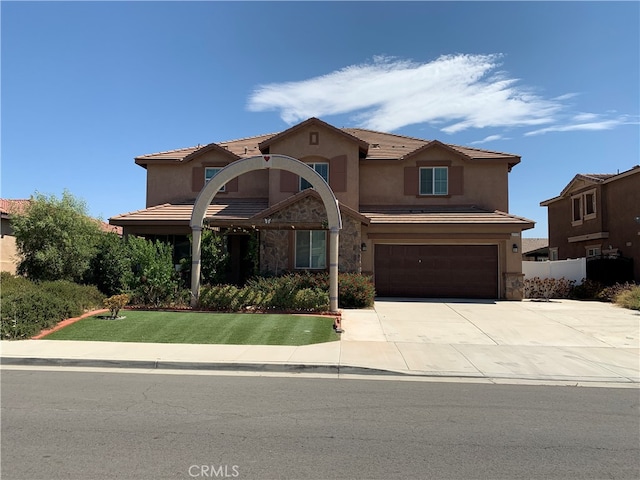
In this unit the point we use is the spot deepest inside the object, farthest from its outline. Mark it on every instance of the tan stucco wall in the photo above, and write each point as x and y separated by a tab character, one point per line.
485	182
8	254
330	144
173	183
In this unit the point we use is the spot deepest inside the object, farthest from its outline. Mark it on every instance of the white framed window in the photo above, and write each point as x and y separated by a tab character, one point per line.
593	251
589	200
320	167
311	249
553	254
576	210
209	173
434	181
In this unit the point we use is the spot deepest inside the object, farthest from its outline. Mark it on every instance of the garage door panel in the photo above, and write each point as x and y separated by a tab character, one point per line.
463	271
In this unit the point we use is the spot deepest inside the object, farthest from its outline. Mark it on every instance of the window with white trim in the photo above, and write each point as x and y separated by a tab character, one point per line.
553	254
311	249
594	251
320	167
589	200
209	173
576	210
434	181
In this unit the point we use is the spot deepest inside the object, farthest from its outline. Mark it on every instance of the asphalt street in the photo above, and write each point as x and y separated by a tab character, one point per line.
97	425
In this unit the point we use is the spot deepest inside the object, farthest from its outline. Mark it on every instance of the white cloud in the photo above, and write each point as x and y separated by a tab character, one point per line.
490	138
455	92
583	123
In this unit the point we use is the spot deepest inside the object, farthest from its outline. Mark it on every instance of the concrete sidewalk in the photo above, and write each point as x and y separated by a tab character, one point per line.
559	341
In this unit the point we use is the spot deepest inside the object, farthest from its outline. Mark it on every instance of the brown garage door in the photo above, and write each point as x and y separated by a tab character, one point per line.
437	271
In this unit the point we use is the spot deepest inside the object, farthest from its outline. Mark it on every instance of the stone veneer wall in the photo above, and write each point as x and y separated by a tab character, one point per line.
275	247
514	286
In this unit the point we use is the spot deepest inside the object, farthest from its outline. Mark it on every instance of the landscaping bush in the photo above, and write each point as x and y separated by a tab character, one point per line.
587	290
115	303
609	294
220	298
311	299
629	298
355	290
547	288
28	307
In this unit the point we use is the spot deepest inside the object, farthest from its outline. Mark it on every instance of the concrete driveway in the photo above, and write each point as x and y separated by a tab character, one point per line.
556	340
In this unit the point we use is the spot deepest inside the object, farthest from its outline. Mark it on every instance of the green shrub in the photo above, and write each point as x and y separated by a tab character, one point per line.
220	298
311	299
629	298
29	307
25	314
355	291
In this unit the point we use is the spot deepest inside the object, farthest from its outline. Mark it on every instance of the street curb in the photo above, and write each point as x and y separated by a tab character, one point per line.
169	365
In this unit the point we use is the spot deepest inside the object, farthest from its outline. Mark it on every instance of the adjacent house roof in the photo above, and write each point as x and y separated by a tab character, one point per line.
593	178
8	206
376	146
534	244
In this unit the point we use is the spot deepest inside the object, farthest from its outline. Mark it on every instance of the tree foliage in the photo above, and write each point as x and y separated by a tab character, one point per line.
109	268
213	257
55	238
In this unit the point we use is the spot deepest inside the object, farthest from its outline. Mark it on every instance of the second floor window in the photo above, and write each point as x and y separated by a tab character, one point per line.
321	168
434	180
210	172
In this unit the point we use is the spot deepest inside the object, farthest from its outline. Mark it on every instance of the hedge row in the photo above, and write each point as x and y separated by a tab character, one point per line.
28	307
291	292
587	290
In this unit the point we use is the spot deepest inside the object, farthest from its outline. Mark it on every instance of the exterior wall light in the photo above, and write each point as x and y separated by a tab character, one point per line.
363	247
514	248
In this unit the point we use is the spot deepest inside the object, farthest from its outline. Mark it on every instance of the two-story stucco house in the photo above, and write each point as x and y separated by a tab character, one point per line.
597	215
423	217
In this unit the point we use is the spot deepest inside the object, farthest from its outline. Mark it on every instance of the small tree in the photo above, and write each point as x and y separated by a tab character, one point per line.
116	302
110	266
214	257
152	277
56	238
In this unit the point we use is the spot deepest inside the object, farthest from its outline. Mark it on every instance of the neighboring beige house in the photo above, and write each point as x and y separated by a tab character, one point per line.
425	218
8	251
595	216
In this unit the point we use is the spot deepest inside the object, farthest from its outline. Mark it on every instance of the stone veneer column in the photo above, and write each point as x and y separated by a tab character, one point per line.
514	286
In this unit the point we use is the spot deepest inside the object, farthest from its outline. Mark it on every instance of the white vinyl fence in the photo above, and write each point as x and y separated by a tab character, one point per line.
572	269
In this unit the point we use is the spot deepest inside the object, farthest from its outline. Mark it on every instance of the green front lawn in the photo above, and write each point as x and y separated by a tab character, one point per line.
199	327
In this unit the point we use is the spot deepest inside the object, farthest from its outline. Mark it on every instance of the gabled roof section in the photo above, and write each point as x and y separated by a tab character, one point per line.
373	145
264	145
183	155
436	144
390	146
592	178
309	192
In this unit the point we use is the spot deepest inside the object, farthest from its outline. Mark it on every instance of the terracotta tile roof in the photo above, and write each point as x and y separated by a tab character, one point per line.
179	214
440	215
381	146
533	244
8	206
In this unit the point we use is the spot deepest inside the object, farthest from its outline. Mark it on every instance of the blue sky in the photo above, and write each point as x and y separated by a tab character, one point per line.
87	86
